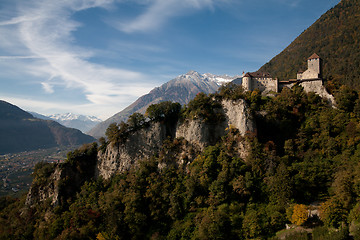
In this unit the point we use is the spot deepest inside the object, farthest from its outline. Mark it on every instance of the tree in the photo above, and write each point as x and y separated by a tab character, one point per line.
345	98
332	213
112	132
163	111
136	120
300	214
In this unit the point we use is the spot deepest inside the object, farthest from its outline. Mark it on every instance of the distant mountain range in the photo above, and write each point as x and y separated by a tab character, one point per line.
71	120
21	131
181	89
335	38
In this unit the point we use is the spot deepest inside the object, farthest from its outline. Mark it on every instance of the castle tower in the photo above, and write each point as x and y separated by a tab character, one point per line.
314	64
314	70
247	82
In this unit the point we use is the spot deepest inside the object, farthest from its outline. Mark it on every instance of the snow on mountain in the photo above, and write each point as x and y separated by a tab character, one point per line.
219	79
81	122
72	116
181	89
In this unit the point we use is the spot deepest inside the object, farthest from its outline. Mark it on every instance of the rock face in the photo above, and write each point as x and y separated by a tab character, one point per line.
202	134
148	141
318	88
58	183
187	139
42	192
139	145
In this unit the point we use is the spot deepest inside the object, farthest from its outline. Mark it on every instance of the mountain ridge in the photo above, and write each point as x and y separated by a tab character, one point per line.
82	122
20	131
181	89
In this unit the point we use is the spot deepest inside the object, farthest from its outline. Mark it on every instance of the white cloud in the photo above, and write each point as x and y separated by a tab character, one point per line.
47	87
18	20
159	11
43	30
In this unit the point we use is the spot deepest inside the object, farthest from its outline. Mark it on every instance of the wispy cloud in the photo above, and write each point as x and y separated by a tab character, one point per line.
20	19
291	3
44	29
19	57
47	87
160	11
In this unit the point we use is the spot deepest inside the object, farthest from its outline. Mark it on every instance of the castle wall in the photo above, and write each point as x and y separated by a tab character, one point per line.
265	85
246	84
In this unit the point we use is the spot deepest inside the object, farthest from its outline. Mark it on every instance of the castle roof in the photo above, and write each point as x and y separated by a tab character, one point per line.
260	74
314	56
247	75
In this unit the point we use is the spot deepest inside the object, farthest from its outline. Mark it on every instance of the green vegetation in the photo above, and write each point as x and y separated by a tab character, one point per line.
304	152
335	37
205	108
164	111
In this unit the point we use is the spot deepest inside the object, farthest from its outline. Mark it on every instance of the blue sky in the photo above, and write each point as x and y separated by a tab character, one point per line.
96	57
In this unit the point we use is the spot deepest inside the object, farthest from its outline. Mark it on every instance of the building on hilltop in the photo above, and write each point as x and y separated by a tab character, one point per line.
311	80
260	80
264	82
314	70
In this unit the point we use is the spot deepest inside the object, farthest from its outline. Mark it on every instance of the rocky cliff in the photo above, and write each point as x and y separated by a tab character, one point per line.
174	143
57	183
197	135
141	144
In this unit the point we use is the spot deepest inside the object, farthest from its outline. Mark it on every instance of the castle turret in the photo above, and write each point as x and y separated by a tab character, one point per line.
314	63
246	82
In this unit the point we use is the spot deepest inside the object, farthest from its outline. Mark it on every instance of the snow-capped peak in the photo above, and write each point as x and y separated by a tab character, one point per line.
72	116
220	80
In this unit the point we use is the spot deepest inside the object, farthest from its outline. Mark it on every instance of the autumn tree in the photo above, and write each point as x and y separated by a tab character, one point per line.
300	214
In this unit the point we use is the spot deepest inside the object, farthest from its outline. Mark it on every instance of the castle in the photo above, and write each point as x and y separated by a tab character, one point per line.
264	82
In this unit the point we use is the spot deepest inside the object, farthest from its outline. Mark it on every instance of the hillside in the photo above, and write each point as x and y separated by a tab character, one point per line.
335	37
183	174
20	131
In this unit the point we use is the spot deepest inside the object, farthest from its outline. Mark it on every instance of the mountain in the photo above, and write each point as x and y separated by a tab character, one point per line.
40	116
21	131
180	89
335	37
81	122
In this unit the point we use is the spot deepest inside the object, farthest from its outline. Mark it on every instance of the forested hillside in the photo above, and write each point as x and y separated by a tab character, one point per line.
335	37
20	131
305	153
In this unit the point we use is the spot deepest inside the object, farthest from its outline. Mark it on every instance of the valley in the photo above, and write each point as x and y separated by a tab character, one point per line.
16	168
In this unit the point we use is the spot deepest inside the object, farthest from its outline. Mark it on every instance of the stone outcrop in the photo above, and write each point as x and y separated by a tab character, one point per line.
147	141
41	192
61	182
236	114
318	88
186	140
139	145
